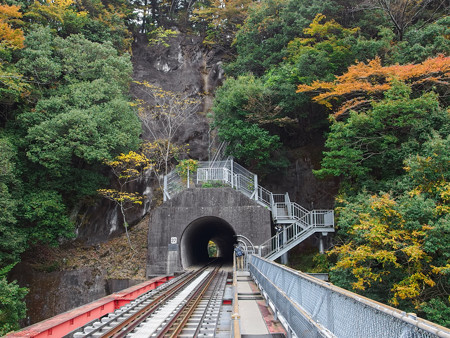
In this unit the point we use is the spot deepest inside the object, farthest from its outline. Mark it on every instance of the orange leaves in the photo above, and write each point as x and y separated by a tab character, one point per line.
367	81
9	36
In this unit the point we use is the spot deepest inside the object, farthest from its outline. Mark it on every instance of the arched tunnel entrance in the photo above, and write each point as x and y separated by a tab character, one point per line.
196	236
181	228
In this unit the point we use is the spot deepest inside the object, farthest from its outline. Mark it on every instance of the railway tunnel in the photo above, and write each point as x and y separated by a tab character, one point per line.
180	229
197	235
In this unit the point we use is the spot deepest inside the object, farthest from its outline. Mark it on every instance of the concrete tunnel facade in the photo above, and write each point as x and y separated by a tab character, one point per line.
180	229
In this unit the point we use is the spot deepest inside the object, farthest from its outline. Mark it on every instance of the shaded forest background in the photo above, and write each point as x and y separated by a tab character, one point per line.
370	78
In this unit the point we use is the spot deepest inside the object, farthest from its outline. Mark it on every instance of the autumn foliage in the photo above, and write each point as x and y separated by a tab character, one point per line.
365	82
10	37
385	244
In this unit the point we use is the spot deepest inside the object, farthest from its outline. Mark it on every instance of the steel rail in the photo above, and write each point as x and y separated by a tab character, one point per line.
135	320
130	323
216	287
179	320
145	311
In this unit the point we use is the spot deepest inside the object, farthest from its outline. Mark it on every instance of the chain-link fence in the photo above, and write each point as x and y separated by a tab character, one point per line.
314	308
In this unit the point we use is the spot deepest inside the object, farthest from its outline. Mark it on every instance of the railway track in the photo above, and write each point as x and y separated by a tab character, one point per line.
186	306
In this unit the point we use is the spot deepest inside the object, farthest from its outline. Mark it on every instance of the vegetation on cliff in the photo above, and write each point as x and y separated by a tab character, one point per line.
372	75
64	78
375	82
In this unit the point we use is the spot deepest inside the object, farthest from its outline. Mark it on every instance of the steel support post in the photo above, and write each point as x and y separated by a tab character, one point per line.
321	248
284	257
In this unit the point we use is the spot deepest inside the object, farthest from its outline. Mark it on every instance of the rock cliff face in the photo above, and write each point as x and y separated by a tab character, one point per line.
55	292
188	67
185	66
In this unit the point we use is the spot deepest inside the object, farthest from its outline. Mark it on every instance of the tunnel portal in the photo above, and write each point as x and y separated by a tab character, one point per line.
196	236
180	228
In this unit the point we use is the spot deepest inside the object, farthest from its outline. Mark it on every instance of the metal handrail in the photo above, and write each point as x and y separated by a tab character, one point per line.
304	222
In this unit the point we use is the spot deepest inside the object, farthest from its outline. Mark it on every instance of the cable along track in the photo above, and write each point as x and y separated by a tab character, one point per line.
187	306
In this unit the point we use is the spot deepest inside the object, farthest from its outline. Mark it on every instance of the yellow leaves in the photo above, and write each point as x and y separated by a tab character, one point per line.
327	29
131	159
383	244
441	269
411	287
160	150
127	168
414	252
186	166
50	10
364	276
121	197
59	3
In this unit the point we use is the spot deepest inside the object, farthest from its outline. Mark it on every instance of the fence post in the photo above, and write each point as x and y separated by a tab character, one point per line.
165	194
232	173
188	178
255	182
288	204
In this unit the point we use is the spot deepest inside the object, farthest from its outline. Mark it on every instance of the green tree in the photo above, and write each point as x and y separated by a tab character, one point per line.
243	115
81	121
98	21
326	49
399	241
12	242
405	13
12	306
270	26
371	144
420	44
45	218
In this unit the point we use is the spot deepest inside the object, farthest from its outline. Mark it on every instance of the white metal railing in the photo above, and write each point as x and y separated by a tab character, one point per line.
309	307
299	222
285	240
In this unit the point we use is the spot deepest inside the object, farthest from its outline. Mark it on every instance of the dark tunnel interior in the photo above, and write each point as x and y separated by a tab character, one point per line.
196	236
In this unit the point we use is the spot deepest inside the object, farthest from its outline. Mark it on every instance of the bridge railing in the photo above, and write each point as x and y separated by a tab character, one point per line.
309	307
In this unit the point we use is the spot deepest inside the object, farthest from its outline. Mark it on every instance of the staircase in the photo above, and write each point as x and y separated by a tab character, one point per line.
295	223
